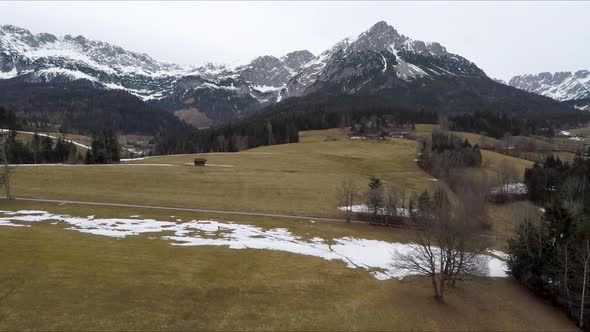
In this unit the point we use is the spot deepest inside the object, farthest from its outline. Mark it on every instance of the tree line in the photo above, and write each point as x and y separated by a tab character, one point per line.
498	124
550	254
554	178
447	247
281	125
445	152
40	150
268	128
104	148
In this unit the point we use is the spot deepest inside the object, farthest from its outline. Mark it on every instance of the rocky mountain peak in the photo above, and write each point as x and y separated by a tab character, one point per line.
295	60
379	37
77	39
266	61
561	86
12	34
8	28
266	71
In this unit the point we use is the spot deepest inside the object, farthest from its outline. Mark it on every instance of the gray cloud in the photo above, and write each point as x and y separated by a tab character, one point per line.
503	38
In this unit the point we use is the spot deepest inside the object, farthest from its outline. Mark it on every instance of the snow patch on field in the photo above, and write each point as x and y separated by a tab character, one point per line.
570	136
372	255
517	188
134	159
363	208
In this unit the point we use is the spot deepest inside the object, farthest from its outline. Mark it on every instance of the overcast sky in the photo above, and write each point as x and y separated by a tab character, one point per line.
502	38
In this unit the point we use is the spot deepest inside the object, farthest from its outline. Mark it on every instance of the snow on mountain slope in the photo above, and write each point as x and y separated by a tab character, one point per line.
30	51
408	60
560	86
45	58
378	59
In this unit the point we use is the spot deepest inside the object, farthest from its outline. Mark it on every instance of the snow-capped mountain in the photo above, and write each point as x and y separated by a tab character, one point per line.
269	73
43	57
560	86
378	62
381	49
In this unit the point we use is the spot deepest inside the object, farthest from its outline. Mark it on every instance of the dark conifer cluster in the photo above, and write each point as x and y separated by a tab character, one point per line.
551	256
445	152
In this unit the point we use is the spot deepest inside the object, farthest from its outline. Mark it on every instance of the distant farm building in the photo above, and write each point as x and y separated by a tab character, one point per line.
200	161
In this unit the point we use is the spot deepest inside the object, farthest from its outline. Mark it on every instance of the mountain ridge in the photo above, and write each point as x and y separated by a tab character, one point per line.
562	86
379	62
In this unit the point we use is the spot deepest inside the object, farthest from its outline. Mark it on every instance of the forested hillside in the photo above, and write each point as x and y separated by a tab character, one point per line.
79	107
280	125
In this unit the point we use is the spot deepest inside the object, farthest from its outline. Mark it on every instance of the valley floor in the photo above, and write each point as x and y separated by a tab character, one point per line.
116	267
57	279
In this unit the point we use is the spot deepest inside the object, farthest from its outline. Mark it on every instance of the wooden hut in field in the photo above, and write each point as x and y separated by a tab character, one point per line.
200	161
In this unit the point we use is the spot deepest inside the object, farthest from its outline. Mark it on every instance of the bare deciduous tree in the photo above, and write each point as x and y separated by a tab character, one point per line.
6	170
395	202
446	247
531	227
348	193
392	201
572	192
375	196
507	174
583	255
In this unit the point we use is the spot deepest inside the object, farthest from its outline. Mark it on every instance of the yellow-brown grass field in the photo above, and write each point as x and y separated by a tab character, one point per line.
52	278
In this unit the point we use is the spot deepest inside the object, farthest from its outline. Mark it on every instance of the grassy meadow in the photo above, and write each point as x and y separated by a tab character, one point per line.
300	179
57	279
52	278
297	178
582	132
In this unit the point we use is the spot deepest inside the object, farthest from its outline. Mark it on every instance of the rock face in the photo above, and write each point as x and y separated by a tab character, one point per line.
376	53
378	62
269	73
46	58
560	86
220	92
295	60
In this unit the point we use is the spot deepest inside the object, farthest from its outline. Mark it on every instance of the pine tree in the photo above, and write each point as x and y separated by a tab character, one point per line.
36	147
375	195
46	149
